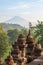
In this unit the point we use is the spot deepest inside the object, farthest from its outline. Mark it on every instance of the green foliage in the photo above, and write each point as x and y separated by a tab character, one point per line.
24	31
13	34
0	26
8	26
5	48
38	32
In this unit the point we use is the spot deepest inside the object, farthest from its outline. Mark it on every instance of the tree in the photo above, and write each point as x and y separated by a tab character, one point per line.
13	35
38	32
24	31
5	48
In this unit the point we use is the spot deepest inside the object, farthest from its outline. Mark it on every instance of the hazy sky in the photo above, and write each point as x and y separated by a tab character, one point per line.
31	10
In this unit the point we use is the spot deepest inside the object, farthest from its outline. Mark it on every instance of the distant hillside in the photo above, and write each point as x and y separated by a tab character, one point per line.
7	26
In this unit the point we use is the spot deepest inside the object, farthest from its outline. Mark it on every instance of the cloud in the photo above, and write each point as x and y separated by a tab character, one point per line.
37	0
40	1
21	9
20	6
12	8
3	18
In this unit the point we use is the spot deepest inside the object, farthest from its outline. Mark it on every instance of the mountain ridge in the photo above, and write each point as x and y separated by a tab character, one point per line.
10	26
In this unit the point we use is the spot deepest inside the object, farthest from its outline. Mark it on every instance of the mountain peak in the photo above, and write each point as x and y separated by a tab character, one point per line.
18	20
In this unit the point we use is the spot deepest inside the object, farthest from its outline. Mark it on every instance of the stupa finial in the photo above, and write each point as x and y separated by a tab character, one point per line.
29	32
